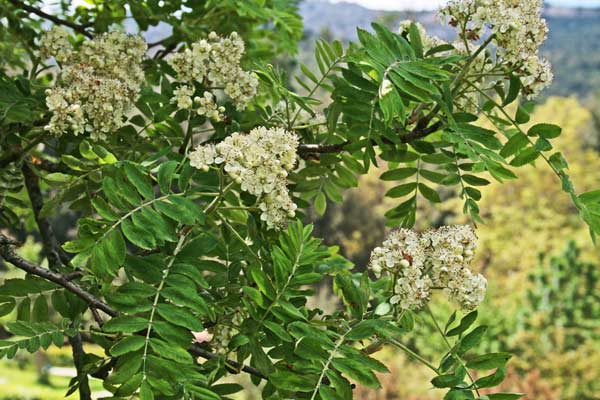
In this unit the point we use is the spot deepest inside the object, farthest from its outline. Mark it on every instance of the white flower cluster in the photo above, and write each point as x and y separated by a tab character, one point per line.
98	83
437	258
402	256
259	162
215	62
519	32
55	43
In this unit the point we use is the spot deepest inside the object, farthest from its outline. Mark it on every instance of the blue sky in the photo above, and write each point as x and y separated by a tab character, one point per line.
433	4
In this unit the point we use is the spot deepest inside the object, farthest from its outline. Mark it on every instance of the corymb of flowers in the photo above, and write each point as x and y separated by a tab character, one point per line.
98	83
215	63
515	28
260	162
435	259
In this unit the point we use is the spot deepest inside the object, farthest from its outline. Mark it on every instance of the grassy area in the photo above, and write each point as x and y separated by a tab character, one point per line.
22	384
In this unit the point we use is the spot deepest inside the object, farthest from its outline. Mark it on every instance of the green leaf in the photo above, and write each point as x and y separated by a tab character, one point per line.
446	381
513	91
146	391
289	381
127	345
40	309
139	180
429	193
472	339
546	131
525	157
6	306
357	371
179	316
181	209
278	331
125	324
392	107
170	351
320	203
137	235
401	190
415	40
465	323
522	116
489	361
165	175
351	294
590	197
398	174
104	209
504	396
491	380
475	180
516	142
109	254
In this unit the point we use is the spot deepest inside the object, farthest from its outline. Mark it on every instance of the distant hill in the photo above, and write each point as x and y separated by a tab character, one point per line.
573	44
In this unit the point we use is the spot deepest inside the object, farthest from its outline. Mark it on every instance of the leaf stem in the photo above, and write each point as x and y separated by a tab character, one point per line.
456	356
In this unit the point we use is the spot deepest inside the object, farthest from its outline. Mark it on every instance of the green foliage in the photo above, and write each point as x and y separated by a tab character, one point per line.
173	263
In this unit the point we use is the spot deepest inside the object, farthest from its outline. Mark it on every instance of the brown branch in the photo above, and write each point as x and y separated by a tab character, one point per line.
200	352
7	252
59	21
420	133
78	359
49	166
53	252
306	150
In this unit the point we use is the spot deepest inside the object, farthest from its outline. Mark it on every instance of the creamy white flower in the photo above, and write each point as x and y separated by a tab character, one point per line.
55	43
182	96
385	88
208	106
97	85
215	62
402	256
203	156
467	289
437	259
259	162
429	42
224	332
518	31
448	249
202	337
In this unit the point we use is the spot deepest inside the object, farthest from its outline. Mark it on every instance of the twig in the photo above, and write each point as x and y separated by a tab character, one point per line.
305	150
59	21
200	352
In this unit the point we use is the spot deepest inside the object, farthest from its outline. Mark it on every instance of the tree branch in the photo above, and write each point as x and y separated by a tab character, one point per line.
53	252
305	150
200	352
59	21
78	356
7	252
